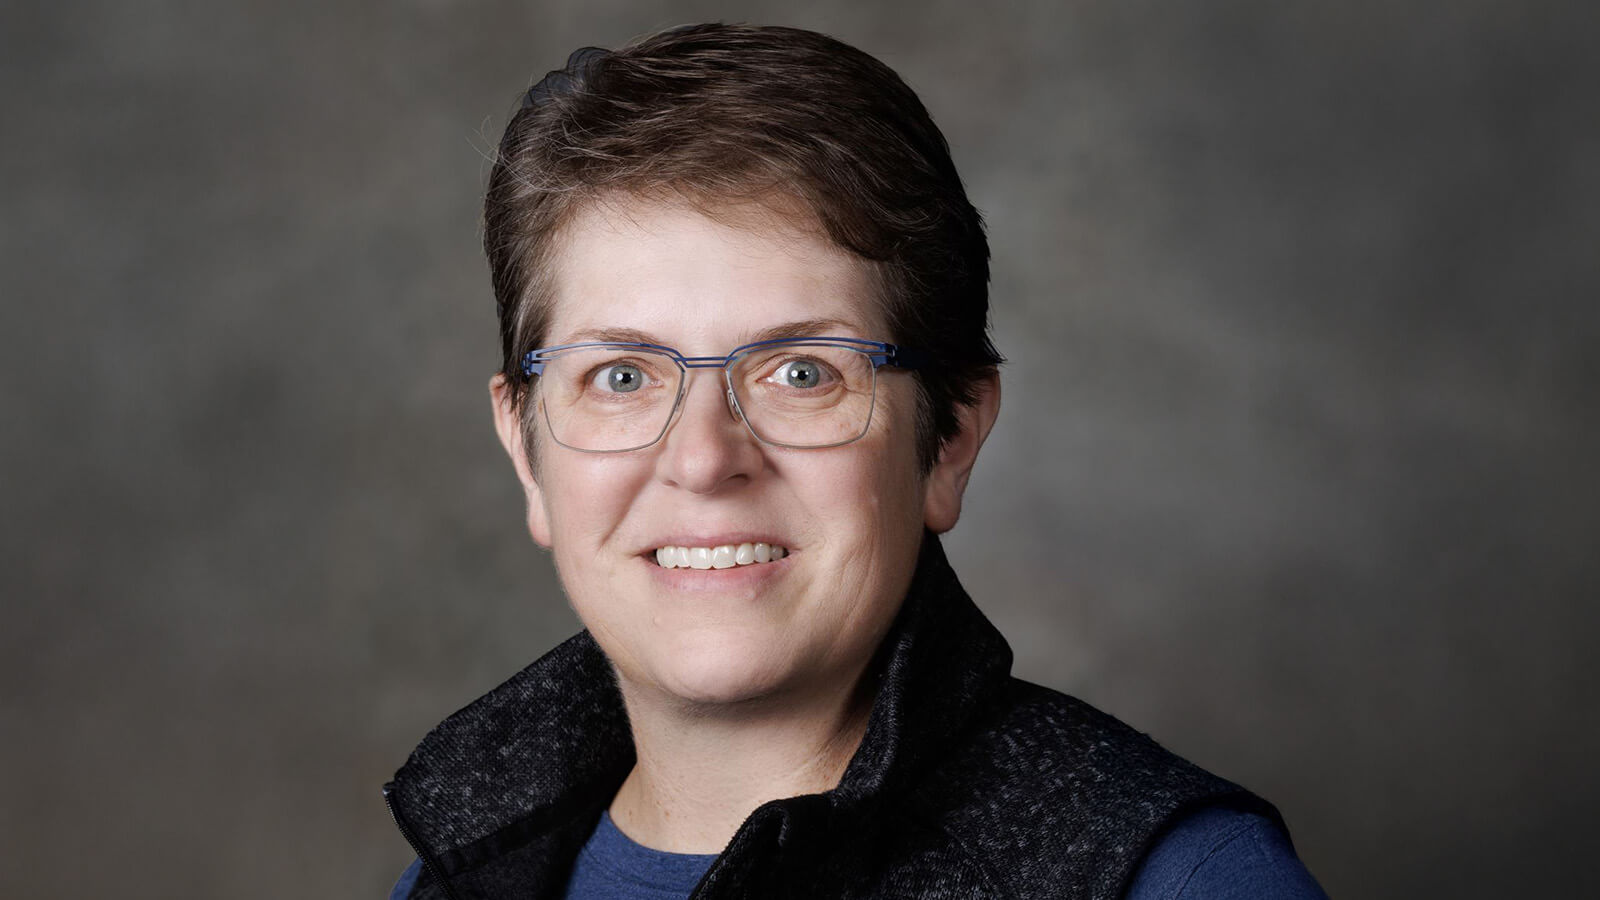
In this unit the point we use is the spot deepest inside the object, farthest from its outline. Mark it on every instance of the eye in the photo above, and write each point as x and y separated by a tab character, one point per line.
622	378
801	373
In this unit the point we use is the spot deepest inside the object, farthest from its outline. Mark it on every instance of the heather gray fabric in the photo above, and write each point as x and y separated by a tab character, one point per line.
968	783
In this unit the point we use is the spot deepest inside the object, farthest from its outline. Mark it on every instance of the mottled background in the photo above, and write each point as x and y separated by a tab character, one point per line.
1295	470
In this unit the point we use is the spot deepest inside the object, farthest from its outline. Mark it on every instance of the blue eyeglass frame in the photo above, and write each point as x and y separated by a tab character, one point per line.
880	353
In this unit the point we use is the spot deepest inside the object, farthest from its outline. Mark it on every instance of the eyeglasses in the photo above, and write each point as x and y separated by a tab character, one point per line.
805	393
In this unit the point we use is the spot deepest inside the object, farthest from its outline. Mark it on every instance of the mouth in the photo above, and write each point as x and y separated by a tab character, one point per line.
717	556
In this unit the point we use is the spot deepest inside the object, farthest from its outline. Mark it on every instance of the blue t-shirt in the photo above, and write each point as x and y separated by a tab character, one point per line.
1212	854
612	867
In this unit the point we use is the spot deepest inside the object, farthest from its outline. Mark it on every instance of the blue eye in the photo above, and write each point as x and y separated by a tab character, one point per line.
801	373
620	379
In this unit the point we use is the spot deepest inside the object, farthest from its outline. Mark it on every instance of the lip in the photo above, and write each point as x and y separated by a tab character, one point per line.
738	578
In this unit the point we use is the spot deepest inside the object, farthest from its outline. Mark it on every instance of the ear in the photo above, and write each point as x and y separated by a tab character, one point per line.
508	425
948	479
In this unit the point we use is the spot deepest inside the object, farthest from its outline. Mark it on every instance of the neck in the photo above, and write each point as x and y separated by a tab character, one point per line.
700	773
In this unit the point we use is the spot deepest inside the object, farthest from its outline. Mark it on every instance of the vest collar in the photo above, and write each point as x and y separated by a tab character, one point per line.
549	748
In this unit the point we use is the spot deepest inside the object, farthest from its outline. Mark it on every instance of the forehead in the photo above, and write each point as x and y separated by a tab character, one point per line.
702	283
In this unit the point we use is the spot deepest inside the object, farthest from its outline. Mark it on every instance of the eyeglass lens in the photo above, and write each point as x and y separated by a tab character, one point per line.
603	398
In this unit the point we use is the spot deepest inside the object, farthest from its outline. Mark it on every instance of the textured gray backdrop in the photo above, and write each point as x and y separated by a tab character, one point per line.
1295	469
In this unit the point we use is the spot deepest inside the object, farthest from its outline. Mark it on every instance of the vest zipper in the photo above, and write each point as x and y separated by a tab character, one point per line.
427	860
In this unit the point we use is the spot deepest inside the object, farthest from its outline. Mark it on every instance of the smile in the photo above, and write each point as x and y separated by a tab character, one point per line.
722	556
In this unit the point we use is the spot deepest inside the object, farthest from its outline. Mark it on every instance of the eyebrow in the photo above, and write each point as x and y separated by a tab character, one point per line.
801	328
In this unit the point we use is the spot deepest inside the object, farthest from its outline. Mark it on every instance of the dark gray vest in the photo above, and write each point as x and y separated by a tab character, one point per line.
969	783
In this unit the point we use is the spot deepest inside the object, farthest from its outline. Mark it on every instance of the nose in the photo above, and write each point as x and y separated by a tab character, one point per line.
707	446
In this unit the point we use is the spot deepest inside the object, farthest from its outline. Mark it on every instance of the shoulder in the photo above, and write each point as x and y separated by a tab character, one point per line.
1046	744
407	881
1219	852
1047	788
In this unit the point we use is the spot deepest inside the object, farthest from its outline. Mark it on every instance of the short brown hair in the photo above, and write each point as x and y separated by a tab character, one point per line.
727	113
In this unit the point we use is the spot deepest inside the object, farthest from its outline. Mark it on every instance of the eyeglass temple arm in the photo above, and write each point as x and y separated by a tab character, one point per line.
901	357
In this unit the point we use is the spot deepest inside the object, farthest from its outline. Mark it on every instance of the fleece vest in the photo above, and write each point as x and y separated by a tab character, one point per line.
968	783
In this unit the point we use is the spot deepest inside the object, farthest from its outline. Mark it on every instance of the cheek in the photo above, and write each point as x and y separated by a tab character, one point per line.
586	498
875	489
896	480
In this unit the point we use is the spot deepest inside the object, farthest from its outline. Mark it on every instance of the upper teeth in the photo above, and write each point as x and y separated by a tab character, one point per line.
722	556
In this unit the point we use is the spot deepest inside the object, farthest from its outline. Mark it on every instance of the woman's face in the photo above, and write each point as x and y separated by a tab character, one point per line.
850	517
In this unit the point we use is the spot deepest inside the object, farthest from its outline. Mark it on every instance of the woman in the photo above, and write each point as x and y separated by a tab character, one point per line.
746	375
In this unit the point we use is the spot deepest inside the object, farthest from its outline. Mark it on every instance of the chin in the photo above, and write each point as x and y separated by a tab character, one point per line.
718	670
